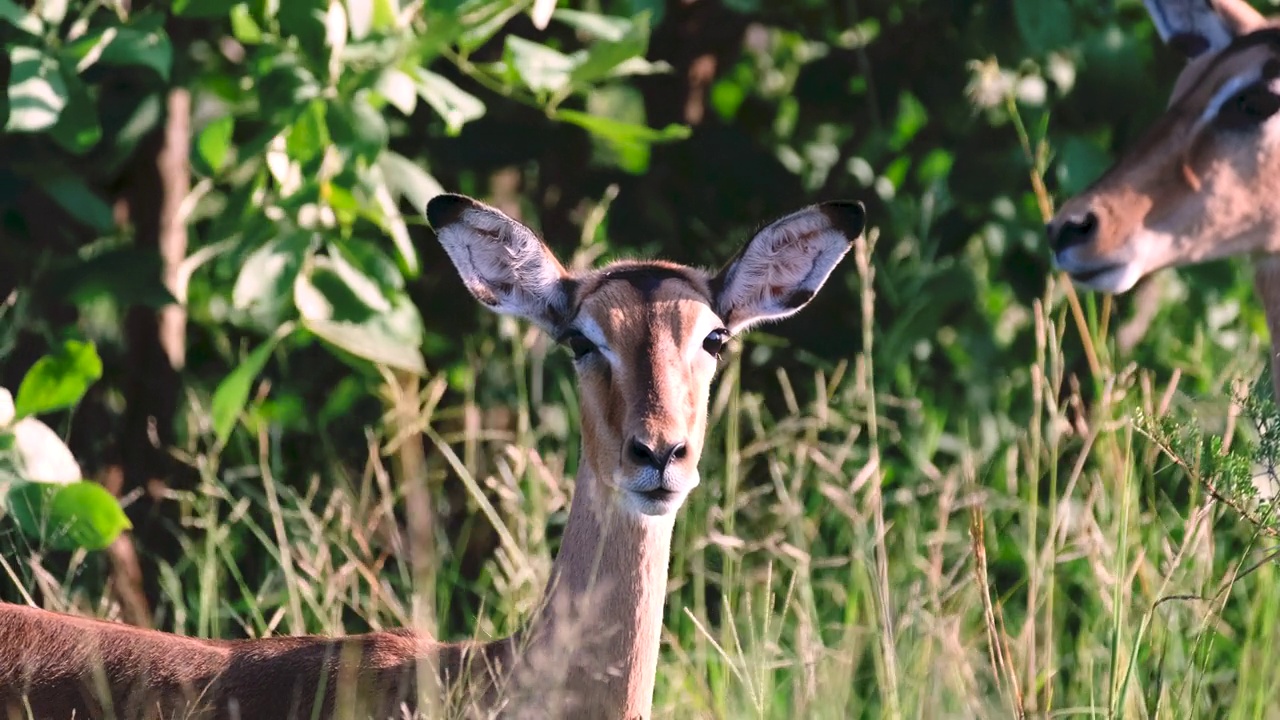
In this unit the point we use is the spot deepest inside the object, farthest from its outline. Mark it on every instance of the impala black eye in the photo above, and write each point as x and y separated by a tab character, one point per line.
578	344
1248	107
715	342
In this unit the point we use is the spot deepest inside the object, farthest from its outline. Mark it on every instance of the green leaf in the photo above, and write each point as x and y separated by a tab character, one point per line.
360	15
77	129
481	20
37	93
59	380
129	275
361	285
137	45
333	313
68	517
599	27
79	201
623	136
52	11
357	127
20	18
540	68
233	392
243	27
455	105
406	179
213	144
1080	162
399	89
264	287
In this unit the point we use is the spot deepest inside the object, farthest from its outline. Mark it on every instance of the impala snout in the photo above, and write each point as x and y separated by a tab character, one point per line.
657	473
1091	248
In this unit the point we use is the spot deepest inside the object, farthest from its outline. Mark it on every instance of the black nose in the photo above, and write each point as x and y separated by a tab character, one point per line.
1072	231
659	458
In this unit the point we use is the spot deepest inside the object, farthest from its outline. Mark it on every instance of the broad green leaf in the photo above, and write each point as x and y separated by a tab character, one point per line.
20	18
391	339
622	104
539	67
623	133
405	178
77	129
243	27
481	20
391	221
540	13
455	105
372	261
336	315
59	380
68	517
52	11
79	201
129	45
335	33
362	286
357	127
7	412
599	27
37	93
264	287
308	136
42	456
203	8
232	393
214	142
399	89
386	14
360	15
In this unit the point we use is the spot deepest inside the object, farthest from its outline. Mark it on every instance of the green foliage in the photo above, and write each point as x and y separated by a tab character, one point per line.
67	517
58	381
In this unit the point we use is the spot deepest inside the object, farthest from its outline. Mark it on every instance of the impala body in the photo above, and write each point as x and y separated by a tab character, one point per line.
1204	181
646	337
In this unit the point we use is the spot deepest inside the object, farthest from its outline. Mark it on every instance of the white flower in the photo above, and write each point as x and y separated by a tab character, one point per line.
6	408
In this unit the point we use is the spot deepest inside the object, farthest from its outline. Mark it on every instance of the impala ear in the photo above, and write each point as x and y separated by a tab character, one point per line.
503	263
780	269
1194	27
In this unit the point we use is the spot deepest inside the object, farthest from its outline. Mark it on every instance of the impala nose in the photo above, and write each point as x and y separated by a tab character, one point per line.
655	455
1072	230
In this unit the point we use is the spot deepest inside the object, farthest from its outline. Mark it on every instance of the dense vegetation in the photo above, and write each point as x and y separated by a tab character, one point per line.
952	487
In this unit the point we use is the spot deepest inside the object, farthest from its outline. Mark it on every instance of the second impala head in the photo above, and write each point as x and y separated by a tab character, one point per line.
1204	181
646	336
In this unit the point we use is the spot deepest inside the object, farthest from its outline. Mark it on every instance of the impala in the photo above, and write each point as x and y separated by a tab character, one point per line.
645	337
1204	183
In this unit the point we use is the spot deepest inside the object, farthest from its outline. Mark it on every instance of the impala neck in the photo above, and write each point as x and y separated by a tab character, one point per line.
1266	279
600	628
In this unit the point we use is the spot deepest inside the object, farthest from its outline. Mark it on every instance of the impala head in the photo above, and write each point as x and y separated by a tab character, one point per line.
1204	183
646	336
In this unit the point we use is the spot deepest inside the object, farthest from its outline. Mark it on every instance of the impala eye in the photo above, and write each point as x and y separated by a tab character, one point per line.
578	344
715	342
1249	107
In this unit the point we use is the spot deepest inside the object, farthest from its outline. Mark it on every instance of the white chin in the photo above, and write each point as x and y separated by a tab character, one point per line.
655	505
1115	280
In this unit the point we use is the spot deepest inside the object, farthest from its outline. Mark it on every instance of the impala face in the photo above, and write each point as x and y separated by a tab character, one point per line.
1204	182
646	336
